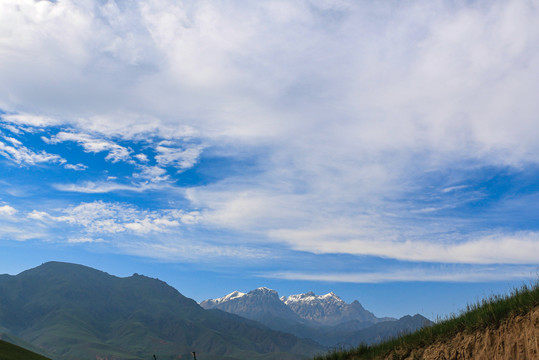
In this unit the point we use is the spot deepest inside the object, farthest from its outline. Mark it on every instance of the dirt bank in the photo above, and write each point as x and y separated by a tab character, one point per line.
516	339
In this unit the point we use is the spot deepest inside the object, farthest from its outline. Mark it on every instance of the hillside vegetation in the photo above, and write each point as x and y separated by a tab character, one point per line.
9	351
500	327
72	312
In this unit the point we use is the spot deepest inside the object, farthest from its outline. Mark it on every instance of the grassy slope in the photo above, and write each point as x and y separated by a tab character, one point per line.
487	313
9	351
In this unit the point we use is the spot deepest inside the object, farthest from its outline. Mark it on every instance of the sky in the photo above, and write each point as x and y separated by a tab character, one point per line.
383	150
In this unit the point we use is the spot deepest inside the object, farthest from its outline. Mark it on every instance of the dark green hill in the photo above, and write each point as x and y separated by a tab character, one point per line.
9	351
75	312
6	336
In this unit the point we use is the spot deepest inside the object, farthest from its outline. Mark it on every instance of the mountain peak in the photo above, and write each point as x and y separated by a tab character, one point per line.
328	309
264	290
76	312
265	293
331	295
311	297
214	302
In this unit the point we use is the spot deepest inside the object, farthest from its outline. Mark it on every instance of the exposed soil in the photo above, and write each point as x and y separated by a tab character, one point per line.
517	338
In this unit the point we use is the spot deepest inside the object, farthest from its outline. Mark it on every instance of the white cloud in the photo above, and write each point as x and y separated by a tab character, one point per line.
84	240
7	210
77	167
12	129
90	144
153	174
496	248
346	108
111	218
30	120
182	158
387	77
454	188
200	252
91	187
18	233
142	157
38	215
22	155
475	274
14	141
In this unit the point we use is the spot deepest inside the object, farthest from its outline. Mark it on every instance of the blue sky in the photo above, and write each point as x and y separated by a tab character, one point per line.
385	151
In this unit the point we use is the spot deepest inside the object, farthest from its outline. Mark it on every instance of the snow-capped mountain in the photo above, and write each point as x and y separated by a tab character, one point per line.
326	319
308	308
328	309
261	304
208	304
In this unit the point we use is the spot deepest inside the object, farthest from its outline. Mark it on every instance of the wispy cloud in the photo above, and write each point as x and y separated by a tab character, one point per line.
91	187
182	158
494	248
154	174
25	119
84	240
24	156
454	188
199	252
110	218
93	145
77	167
476	274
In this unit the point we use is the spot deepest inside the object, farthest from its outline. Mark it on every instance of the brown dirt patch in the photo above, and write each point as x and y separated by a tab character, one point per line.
517	338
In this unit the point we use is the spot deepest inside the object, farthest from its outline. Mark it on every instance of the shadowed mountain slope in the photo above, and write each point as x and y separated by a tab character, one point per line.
9	351
75	312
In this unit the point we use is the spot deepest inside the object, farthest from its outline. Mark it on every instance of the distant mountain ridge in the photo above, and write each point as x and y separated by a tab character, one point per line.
328	309
70	311
256	304
309	308
326	319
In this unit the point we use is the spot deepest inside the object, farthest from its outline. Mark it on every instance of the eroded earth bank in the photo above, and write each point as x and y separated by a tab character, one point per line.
517	338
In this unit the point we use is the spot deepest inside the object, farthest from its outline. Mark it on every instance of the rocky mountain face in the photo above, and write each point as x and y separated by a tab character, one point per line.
262	305
327	309
326	319
308	308
69	312
258	304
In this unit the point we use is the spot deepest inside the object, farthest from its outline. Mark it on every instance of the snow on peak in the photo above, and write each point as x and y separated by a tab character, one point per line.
264	291
311	297
231	296
331	295
234	295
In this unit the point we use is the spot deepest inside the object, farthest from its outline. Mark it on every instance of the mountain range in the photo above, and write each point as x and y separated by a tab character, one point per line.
69	311
326	319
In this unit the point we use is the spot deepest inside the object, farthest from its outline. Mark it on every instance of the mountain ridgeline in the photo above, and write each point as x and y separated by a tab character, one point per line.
326	319
67	311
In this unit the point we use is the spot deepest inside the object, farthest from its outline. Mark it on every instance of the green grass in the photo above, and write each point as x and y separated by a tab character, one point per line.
488	313
9	351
